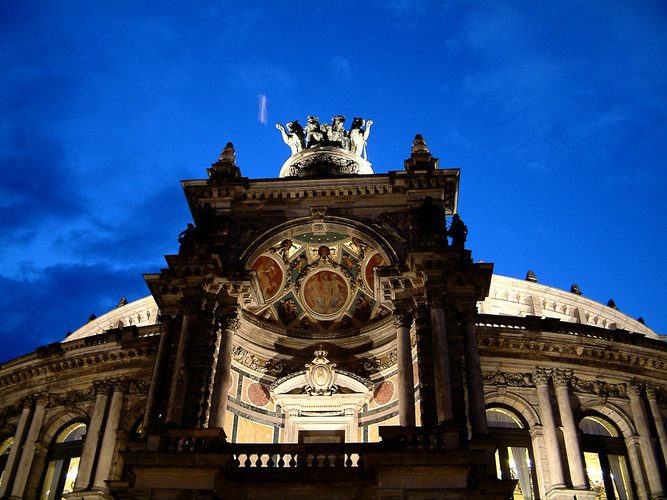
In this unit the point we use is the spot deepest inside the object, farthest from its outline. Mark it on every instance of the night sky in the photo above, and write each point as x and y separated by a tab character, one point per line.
555	112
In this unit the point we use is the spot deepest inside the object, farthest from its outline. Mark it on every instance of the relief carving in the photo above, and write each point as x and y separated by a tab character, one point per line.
499	378
245	358
380	364
599	388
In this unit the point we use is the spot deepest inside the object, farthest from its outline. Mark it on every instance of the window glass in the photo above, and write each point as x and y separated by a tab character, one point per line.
63	467
5	448
514	454
74	432
499	417
597	426
604	455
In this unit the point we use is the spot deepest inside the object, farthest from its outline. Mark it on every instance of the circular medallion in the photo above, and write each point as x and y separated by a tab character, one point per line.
384	392
325	293
258	394
269	275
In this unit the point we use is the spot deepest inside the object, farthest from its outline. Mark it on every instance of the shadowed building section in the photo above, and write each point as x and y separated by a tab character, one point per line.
328	331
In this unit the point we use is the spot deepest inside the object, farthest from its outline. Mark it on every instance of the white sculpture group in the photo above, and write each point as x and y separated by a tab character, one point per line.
333	134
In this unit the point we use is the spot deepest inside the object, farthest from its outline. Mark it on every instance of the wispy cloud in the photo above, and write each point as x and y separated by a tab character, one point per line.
263	112
341	68
261	75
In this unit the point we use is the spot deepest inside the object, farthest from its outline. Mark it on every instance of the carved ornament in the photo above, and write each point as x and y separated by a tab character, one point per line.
634	388
499	378
320	375
403	319
381	364
245	358
542	376
562	377
599	388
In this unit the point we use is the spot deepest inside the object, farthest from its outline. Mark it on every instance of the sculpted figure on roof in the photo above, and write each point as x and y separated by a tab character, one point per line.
294	136
359	136
331	134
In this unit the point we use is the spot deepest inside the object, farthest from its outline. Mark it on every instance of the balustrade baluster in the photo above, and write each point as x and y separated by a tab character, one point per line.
360	460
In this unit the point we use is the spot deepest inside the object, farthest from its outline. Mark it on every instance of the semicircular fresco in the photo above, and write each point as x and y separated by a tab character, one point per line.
318	283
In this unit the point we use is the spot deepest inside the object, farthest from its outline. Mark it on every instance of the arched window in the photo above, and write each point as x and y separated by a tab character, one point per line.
5	448
64	457
604	453
514	457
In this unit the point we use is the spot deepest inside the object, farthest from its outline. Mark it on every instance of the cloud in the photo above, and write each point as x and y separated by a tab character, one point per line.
263	112
42	310
341	68
260	76
36	183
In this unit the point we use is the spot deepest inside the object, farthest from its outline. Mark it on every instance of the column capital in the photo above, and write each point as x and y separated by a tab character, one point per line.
652	391
191	306
229	321
467	312
41	399
542	376
121	384
634	388
403	318
435	299
562	377
26	403
102	387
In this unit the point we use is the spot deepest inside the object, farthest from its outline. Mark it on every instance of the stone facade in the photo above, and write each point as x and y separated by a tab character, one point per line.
320	331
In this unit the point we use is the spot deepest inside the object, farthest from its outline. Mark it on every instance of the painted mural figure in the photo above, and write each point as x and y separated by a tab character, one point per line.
325	292
269	275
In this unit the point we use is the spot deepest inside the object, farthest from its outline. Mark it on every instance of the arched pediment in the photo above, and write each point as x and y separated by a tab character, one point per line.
317	279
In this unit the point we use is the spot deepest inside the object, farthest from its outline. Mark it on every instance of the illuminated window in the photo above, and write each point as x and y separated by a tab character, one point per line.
137	431
64	457
604	454
5	448
514	457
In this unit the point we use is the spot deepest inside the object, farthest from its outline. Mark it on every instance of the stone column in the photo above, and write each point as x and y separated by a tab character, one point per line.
443	379
632	445
633	390
406	379
25	464
223	370
474	380
542	462
17	445
541	379
652	396
158	376
108	446
575	457
93	432
180	373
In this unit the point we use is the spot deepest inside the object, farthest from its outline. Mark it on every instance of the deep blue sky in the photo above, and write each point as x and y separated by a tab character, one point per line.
555	112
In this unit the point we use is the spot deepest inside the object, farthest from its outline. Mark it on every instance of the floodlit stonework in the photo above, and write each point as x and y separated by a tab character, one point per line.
319	332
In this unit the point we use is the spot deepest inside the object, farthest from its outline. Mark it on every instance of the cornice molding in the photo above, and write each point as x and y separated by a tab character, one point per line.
78	362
